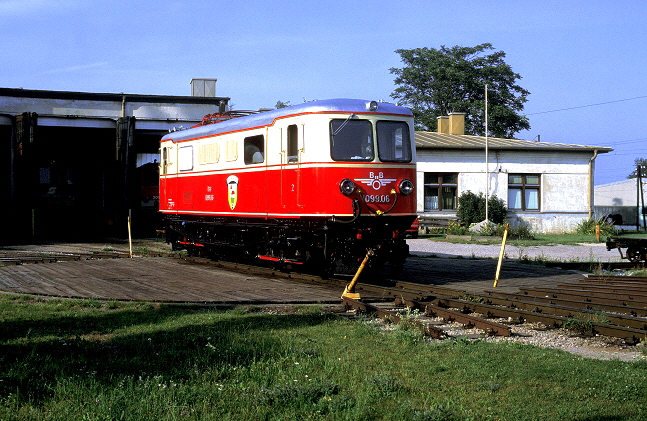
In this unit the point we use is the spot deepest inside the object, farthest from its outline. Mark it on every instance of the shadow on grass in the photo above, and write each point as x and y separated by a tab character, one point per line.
45	352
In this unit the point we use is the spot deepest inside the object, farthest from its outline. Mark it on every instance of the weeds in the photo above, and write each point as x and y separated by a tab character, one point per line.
588	226
299	392
446	412
583	323
384	384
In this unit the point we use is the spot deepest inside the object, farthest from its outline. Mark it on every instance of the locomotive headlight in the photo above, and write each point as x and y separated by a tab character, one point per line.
371	106
347	186
406	187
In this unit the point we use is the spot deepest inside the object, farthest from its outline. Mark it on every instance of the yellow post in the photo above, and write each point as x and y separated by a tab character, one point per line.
597	233
130	238
498	266
349	292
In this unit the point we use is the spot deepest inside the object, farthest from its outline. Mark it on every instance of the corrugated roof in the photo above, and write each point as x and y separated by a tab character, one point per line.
434	140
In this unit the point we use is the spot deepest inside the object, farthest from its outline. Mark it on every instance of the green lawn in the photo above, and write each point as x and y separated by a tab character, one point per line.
91	360
538	240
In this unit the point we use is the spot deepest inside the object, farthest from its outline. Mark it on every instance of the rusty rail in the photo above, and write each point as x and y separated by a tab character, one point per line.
490	328
393	317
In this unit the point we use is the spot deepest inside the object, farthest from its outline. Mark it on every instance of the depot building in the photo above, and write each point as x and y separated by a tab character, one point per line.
78	165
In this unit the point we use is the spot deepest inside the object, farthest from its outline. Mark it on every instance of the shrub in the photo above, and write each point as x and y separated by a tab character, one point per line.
587	227
471	208
521	232
454	228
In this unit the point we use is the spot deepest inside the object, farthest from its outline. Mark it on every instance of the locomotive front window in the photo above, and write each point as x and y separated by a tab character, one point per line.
351	140
393	141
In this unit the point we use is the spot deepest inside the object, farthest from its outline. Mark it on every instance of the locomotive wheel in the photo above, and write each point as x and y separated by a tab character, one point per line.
642	255
635	254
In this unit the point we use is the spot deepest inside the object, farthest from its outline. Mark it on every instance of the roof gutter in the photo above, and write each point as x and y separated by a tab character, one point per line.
591	190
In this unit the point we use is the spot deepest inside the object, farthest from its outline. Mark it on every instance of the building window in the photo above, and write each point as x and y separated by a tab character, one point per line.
523	192
441	191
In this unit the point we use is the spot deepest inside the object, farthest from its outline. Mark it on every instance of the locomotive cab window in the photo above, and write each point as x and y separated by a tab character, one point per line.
254	150
393	141
351	140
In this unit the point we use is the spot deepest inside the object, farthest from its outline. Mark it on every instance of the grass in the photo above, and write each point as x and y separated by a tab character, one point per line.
538	240
89	360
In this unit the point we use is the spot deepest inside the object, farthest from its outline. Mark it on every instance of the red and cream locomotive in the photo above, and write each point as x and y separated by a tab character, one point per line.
315	184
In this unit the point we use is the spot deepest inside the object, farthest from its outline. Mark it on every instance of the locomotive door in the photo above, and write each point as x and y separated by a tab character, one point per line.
291	144
168	183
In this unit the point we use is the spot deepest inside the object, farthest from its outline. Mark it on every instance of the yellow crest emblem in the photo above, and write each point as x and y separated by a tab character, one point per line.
232	190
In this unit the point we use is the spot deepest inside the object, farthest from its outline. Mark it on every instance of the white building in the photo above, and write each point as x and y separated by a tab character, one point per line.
548	186
623	198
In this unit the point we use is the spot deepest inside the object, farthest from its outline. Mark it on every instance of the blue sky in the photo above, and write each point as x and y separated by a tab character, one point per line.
570	54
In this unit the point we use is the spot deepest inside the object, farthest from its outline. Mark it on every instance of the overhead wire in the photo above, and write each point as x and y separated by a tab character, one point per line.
589	105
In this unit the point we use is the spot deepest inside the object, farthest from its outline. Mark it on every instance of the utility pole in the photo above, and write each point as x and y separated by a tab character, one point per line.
487	169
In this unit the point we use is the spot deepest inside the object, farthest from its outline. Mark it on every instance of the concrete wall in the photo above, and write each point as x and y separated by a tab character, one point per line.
621	198
620	193
565	197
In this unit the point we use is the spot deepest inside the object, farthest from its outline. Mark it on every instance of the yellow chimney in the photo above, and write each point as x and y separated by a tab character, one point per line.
443	124
457	123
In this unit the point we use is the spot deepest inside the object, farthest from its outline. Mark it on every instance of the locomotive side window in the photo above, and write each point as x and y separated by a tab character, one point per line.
293	143
351	140
393	141
254	150
209	153
231	150
185	158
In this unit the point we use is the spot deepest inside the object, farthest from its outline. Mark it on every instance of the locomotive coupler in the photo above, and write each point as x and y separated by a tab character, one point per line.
349	292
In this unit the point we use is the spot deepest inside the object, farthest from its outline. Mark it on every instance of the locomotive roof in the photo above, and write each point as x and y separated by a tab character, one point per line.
267	118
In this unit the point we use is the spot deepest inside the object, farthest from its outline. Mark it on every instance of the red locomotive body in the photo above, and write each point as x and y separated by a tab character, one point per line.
318	183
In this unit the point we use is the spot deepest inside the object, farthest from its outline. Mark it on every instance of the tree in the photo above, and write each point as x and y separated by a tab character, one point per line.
434	83
639	163
281	104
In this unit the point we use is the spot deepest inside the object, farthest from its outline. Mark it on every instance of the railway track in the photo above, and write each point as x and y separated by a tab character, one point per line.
612	306
22	258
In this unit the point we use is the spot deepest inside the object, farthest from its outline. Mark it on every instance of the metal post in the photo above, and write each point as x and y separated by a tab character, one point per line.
349	292
498	266
487	170
642	196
